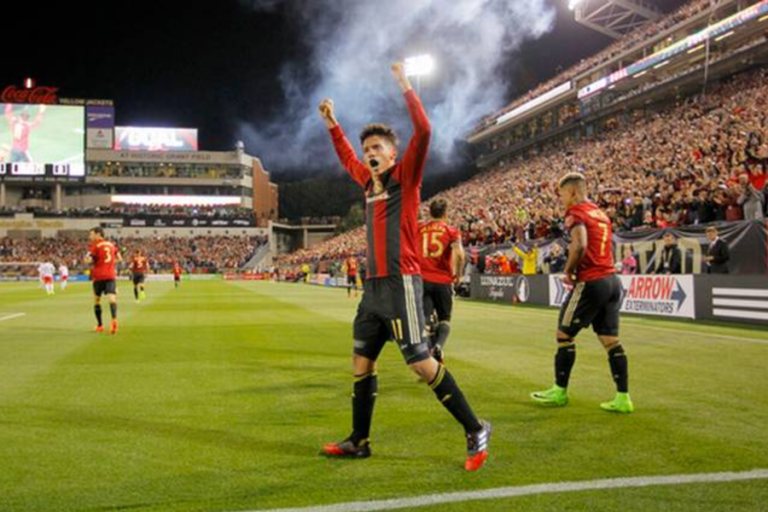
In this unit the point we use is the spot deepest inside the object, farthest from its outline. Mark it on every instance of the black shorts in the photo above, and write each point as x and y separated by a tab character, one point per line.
351	280
595	303
138	279
391	309
176	277
438	298
104	287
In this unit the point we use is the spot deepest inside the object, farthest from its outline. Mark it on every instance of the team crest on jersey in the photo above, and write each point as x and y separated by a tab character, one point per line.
377	197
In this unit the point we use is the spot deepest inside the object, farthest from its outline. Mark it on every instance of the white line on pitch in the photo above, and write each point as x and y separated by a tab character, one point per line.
530	490
11	317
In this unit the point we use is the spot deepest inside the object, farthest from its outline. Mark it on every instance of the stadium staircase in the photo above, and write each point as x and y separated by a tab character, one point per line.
262	257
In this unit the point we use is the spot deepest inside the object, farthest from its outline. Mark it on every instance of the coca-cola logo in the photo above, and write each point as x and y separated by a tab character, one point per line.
45	95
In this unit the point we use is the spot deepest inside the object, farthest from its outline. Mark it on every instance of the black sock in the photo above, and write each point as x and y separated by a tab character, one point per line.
113	309
363	399
449	394
97	311
441	334
564	361
617	358
135	293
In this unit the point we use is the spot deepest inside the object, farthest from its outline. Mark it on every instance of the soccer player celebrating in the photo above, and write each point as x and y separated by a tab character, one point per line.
21	128
442	262
391	308
63	276
594	299
139	269
176	274
104	255
46	271
351	265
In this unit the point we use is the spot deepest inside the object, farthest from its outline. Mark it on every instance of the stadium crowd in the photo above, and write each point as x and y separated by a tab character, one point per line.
139	211
648	31
703	160
201	254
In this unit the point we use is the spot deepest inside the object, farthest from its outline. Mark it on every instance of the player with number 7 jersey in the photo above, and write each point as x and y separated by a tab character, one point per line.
594	299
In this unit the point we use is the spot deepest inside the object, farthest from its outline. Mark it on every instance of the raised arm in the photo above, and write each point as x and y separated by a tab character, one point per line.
415	156
344	150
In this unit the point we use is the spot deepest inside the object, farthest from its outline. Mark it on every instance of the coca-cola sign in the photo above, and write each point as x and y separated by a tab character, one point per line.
37	95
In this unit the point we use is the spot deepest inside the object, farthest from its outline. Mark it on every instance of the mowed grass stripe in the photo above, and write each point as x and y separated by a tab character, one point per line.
219	396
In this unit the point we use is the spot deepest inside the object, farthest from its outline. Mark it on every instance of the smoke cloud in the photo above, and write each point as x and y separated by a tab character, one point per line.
350	45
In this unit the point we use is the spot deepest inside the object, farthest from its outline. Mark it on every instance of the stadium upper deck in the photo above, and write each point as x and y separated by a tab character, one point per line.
650	66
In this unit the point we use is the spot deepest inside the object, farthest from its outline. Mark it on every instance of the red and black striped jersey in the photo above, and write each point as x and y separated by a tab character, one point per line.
392	215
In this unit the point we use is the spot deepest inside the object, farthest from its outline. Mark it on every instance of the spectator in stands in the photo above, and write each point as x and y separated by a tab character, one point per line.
751	199
717	253
629	261
670	260
530	259
556	259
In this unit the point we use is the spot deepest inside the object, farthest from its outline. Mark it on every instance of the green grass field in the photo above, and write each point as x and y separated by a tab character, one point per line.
218	397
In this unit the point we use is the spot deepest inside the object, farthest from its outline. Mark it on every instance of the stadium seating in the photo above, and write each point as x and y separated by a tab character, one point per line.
201	254
676	167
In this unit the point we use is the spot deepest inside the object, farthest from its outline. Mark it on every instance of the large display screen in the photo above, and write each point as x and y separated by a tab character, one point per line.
42	141
155	139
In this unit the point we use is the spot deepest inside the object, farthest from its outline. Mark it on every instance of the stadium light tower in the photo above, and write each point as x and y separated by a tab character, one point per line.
419	66
614	18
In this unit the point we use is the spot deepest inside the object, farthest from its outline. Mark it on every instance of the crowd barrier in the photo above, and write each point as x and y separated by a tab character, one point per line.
694	297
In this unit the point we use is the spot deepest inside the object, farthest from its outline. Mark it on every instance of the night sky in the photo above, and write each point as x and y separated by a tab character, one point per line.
207	65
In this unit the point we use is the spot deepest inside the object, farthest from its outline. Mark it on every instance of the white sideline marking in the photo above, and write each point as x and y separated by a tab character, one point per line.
529	490
11	317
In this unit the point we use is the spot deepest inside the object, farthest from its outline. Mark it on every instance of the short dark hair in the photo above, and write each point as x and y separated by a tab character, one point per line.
573	178
711	229
381	130
98	230
437	208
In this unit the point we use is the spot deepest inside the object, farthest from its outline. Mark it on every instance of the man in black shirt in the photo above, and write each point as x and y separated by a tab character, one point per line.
717	253
670	259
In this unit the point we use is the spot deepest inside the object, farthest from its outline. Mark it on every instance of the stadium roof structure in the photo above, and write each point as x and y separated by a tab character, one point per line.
614	18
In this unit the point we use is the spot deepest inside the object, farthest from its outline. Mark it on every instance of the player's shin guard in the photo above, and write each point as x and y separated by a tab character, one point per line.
441	334
617	358
113	309
449	394
97	312
363	399
564	361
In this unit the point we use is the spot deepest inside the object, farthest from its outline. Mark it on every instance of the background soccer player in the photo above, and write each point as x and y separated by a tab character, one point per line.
63	276
351	264
46	271
594	299
176	274
391	308
442	264
104	255
139	269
